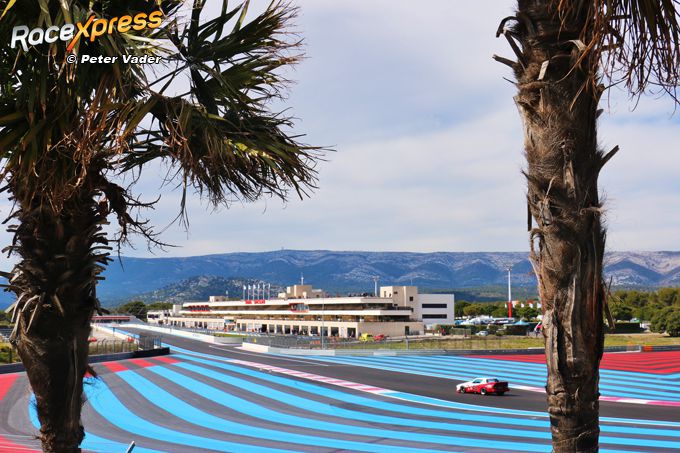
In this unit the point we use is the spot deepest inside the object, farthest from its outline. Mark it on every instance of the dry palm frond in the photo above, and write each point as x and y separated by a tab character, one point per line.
636	41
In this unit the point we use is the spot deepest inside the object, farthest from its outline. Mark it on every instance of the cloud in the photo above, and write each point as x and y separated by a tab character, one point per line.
428	144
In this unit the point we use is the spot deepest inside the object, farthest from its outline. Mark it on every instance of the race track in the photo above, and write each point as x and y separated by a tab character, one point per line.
203	398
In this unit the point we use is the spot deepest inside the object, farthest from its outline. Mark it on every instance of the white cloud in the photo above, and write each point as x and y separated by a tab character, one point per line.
429	145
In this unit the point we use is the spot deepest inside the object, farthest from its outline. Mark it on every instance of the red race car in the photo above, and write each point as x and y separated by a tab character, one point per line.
483	386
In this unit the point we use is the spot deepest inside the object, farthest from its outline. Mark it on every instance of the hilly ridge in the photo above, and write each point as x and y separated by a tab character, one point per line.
339	271
353	271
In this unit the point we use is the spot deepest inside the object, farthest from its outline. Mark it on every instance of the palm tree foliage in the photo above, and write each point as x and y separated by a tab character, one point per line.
564	51
68	132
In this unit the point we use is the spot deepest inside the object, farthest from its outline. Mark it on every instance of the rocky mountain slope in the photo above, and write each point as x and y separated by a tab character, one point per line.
353	271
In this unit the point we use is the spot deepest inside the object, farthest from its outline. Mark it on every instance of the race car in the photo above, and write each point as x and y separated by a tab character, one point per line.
483	386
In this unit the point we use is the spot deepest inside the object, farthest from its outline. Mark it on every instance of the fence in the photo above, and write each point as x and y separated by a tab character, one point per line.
299	342
491	342
112	346
9	355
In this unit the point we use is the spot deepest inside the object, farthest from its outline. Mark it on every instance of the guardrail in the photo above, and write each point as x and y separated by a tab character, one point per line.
184	333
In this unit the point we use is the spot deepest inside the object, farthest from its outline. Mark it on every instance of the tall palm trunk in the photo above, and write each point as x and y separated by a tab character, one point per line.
558	107
55	286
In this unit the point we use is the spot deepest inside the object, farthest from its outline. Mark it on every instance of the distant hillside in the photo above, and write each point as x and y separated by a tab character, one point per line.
353	271
200	288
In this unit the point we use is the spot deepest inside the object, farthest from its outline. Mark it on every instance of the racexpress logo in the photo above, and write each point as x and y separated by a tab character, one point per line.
92	29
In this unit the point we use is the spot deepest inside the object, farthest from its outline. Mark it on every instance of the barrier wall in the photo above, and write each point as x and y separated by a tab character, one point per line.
406	352
193	335
19	367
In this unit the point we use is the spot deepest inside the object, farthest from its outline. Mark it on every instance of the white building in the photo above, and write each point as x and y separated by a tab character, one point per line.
303	310
429	308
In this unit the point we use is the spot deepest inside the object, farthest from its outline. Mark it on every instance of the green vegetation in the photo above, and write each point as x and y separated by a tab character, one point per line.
139	309
495	309
229	335
7	353
199	287
661	308
667	320
4	319
159	306
627	304
135	307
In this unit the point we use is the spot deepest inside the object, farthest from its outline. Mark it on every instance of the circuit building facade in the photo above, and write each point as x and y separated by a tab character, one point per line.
302	310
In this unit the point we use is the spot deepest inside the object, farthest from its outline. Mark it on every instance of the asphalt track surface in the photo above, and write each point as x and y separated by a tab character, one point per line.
221	398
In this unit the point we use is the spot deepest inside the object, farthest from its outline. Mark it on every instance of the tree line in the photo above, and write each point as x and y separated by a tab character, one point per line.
661	308
494	309
139	309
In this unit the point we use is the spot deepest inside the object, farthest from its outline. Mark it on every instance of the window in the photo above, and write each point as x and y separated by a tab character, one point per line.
434	305
410	299
434	316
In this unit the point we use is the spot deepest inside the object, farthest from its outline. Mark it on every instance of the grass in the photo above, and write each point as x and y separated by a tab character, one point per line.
646	339
509	342
490	342
230	335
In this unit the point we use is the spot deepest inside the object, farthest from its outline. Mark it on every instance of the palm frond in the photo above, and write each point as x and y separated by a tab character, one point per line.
70	125
221	136
637	41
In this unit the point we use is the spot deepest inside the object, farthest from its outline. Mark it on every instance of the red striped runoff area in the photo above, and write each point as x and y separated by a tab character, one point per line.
663	362
117	367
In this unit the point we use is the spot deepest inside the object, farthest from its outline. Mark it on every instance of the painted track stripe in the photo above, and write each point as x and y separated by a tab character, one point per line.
170	403
256	410
335	411
104	401
383	405
468	407
639	431
486	419
406	366
91	442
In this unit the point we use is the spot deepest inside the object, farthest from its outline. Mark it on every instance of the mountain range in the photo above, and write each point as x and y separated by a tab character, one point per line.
201	288
353	271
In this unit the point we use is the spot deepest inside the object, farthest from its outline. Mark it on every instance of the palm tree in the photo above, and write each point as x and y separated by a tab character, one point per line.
564	51
69	133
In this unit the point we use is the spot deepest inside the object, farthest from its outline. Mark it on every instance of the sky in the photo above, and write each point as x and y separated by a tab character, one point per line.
428	144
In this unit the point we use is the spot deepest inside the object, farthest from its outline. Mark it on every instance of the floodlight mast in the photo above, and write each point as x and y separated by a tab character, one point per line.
509	293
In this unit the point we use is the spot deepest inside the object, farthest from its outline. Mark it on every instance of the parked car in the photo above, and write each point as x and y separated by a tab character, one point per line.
482	333
379	337
483	386
366	337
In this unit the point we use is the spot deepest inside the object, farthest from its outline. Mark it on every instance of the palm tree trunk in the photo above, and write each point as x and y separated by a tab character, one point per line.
55	286
558	107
